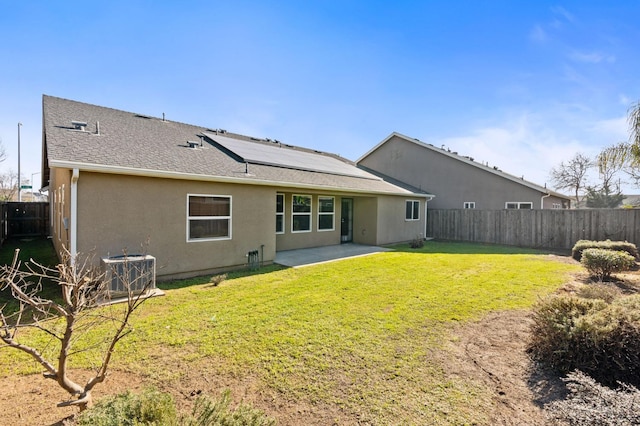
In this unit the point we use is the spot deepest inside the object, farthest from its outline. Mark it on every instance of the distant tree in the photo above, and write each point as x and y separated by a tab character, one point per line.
608	194
572	174
8	185
604	197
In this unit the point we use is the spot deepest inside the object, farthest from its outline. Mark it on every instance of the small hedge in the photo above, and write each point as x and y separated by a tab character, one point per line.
601	263
582	245
600	339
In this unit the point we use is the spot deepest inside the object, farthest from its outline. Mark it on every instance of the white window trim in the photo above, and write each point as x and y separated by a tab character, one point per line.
469	205
283	214
519	205
412	219
333	213
310	213
189	218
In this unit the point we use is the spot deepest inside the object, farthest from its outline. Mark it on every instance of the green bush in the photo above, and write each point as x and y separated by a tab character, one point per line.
601	339
155	408
150	408
417	242
582	245
601	263
207	412
589	403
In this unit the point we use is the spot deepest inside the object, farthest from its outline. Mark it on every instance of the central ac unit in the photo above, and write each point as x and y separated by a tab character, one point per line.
129	274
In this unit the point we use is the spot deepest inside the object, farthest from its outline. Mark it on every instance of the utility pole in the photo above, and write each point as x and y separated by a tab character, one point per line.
19	188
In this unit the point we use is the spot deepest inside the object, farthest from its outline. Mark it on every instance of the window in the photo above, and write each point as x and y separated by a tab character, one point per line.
326	213
301	213
279	213
513	205
556	206
208	217
469	204
412	210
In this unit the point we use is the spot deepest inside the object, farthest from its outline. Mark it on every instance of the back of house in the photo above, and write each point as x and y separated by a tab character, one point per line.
202	199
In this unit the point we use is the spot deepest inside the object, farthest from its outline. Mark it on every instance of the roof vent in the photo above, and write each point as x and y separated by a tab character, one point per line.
193	144
79	125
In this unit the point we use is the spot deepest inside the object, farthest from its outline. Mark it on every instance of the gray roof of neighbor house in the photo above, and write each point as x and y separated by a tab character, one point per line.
467	160
100	139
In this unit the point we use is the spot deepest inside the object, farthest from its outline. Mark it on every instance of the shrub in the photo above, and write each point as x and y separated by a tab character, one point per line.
599	291
207	412
582	245
589	403
601	263
417	242
217	279
155	408
151	407
601	339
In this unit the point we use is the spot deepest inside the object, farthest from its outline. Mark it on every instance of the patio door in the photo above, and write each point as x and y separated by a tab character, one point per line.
346	221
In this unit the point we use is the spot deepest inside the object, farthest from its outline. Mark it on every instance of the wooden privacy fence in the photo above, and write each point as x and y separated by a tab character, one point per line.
551	229
24	220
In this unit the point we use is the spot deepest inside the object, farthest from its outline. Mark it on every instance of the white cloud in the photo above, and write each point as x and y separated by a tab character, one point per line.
538	34
624	99
526	146
613	129
562	14
591	57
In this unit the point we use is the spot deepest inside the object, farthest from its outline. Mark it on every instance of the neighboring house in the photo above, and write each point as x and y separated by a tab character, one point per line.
457	182
204	198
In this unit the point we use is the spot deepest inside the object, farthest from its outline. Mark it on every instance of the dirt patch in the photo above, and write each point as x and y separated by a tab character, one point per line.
493	352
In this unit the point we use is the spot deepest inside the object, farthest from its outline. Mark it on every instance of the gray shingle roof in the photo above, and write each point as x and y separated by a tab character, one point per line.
131	143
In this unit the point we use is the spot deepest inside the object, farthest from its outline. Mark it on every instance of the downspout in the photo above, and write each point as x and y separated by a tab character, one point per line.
73	228
542	201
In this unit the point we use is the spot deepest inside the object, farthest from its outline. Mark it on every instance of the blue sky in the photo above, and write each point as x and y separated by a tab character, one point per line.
521	85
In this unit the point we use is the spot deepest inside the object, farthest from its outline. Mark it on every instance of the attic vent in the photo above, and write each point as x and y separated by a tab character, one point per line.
79	125
193	144
143	116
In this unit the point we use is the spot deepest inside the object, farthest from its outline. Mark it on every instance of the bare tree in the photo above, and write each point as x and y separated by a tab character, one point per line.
62	323
8	185
572	174
3	152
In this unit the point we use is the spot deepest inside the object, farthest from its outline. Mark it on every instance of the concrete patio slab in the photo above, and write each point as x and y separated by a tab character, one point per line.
311	256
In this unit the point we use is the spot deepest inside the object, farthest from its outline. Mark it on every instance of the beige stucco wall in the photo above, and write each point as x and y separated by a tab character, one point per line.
144	214
365	220
450	180
392	225
117	212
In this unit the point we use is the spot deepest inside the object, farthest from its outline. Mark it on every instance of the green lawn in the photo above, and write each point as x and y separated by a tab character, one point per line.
358	334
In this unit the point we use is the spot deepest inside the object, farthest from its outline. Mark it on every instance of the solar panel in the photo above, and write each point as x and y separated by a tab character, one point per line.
282	156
